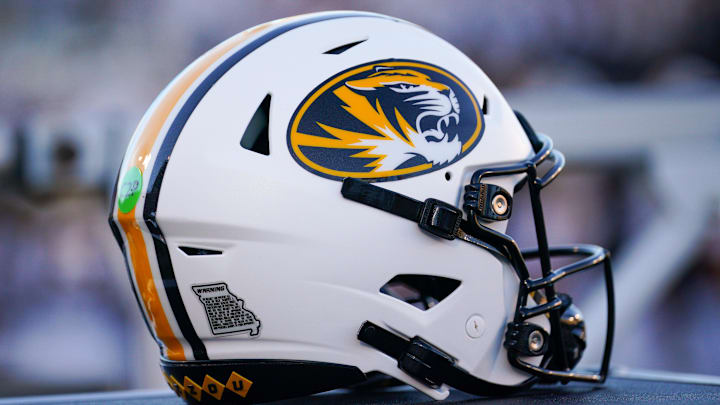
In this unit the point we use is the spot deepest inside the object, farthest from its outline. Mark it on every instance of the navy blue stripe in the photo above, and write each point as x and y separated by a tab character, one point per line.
163	157
116	233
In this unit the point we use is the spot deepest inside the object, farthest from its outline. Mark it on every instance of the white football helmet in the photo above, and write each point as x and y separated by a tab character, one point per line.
256	241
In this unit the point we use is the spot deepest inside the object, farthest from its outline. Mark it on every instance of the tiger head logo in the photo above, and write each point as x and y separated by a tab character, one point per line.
390	121
434	133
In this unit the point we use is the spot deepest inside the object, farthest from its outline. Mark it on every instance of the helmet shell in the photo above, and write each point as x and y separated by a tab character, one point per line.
307	264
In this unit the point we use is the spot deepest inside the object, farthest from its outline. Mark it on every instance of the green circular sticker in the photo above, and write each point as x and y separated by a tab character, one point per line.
130	190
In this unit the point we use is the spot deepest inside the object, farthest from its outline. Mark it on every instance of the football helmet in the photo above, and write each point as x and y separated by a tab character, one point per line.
265	205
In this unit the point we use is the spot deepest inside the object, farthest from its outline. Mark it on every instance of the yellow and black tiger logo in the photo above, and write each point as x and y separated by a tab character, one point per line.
385	120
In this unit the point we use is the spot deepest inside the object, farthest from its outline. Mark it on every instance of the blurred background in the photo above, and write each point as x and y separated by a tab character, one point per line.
629	91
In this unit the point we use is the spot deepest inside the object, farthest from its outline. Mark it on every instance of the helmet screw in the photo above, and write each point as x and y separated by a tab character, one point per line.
499	204
536	341
475	326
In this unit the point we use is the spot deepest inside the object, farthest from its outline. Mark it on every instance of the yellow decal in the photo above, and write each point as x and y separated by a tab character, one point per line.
238	384
213	387
177	387
192	388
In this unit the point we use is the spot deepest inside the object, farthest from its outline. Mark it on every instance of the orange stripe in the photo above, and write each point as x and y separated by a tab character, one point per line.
148	291
140	157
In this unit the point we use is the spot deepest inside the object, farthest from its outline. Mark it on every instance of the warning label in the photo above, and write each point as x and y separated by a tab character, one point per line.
226	312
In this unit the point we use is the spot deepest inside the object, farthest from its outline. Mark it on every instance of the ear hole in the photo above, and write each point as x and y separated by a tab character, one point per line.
420	291
256	137
195	251
485	105
342	48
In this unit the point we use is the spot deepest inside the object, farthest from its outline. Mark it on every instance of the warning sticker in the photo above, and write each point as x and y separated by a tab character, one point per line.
226	312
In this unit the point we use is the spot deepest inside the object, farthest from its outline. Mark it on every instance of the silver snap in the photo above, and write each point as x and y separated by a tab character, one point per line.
536	341
499	204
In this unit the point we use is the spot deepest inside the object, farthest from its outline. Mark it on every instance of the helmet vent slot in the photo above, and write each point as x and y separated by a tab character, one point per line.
196	251
342	48
419	290
256	137
485	105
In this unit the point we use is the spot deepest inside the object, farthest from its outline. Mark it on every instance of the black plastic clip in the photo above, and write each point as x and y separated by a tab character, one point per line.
423	361
416	357
526	338
440	218
488	201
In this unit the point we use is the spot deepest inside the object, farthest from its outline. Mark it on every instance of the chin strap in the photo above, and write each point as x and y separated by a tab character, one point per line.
427	364
433	216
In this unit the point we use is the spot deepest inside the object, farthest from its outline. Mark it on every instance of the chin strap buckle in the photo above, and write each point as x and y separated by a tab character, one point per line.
428	364
433	216
421	361
440	218
416	357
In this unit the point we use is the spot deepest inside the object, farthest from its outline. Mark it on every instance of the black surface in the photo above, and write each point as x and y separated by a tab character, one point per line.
616	390
298	379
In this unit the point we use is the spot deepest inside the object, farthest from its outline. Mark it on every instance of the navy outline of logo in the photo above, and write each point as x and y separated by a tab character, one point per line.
338	81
